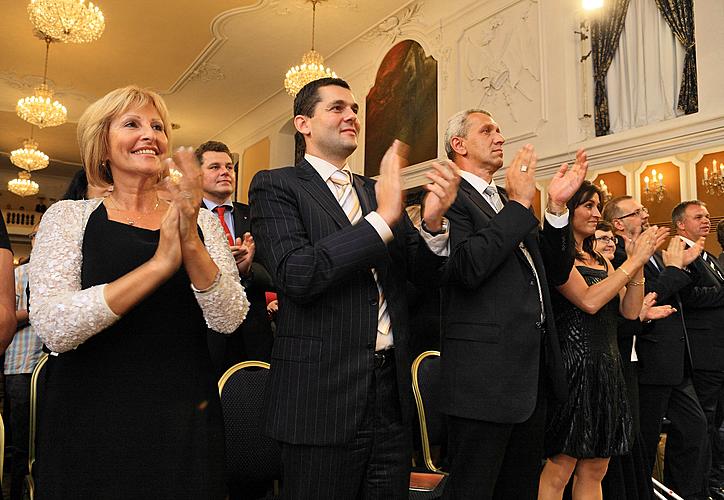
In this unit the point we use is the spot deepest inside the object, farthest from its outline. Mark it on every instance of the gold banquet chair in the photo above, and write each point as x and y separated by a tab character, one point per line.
433	433
2	448
250	455
37	384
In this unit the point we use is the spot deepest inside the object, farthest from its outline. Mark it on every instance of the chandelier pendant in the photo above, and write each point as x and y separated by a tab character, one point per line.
23	185
67	21
312	66
40	108
29	157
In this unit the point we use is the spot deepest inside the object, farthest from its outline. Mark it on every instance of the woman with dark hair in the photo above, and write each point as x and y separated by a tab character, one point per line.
79	189
594	424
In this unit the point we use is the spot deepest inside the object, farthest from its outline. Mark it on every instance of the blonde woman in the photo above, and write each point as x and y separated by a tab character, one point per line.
122	289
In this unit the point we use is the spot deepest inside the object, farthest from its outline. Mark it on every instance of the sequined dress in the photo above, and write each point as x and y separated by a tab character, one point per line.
133	411
595	421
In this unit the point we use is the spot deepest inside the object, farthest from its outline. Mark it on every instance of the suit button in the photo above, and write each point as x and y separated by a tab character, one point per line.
532	282
681	339
373	302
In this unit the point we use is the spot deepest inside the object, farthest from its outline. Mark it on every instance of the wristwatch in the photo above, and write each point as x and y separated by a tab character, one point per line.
443	228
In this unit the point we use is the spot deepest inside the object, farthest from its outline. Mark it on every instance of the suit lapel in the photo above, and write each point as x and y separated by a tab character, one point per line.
713	266
364	195
477	198
241	219
320	192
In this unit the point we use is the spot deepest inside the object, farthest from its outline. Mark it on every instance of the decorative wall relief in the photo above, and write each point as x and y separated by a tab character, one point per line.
392	28
500	62
402	105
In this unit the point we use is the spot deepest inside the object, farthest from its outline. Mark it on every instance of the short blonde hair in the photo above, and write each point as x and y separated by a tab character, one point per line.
95	123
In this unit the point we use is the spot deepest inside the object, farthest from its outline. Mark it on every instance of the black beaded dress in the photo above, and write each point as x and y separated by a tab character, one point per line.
595	421
134	411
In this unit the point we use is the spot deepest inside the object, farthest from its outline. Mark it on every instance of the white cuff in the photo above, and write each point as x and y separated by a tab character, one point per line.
380	226
557	221
438	244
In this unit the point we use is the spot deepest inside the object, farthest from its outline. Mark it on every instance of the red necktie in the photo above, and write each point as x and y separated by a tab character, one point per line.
220	212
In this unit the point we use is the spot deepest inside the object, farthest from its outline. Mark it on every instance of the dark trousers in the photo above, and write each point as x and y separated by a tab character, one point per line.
709	387
495	461
687	442
17	392
374	465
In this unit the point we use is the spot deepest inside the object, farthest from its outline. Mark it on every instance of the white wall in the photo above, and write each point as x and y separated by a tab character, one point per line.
529	50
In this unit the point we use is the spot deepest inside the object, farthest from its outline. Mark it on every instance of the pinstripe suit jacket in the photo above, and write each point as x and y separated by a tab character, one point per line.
322	360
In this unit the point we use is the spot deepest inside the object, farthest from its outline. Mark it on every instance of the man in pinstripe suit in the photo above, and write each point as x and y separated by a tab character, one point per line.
340	250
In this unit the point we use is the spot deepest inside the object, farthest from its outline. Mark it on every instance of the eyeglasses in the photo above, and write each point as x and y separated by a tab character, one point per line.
608	239
638	213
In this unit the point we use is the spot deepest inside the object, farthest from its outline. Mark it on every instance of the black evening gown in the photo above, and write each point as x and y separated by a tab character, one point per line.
595	421
134	411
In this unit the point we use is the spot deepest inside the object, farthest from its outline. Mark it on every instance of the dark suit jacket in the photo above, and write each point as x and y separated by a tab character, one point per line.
704	312
662	346
322	361
253	339
492	346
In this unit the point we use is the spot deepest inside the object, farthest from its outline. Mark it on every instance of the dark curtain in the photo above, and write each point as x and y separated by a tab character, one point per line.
606	31
679	15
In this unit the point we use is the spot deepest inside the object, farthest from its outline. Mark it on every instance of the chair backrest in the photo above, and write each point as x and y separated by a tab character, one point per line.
2	448
426	387
250	455
37	388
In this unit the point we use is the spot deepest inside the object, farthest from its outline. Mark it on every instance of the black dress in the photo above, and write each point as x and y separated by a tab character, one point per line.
134	411
595	421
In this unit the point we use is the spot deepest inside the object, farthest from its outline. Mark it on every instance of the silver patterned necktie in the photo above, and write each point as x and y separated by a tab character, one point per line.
494	198
347	197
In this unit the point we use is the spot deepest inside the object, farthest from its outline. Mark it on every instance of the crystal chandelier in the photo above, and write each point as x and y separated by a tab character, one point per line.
40	109
67	21
29	157
23	186
312	67
714	182
654	188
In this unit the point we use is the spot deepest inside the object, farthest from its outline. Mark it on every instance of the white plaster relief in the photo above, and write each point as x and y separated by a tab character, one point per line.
285	7
206	72
14	86
393	27
443	54
500	60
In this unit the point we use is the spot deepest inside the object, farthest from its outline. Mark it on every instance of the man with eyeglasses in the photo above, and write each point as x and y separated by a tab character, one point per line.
704	304
664	361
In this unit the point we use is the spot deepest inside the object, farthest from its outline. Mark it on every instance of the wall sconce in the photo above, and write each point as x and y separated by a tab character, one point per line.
714	182
654	188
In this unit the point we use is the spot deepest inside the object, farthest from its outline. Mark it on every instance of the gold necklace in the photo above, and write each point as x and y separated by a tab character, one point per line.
132	221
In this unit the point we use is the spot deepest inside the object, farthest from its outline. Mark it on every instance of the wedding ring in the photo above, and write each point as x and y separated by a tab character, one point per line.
524	168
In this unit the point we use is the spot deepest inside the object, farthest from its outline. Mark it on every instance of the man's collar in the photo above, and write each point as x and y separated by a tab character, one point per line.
687	241
478	183
212	204
323	167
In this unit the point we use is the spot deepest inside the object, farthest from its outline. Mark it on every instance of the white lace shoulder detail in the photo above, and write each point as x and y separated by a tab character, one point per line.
63	315
225	306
